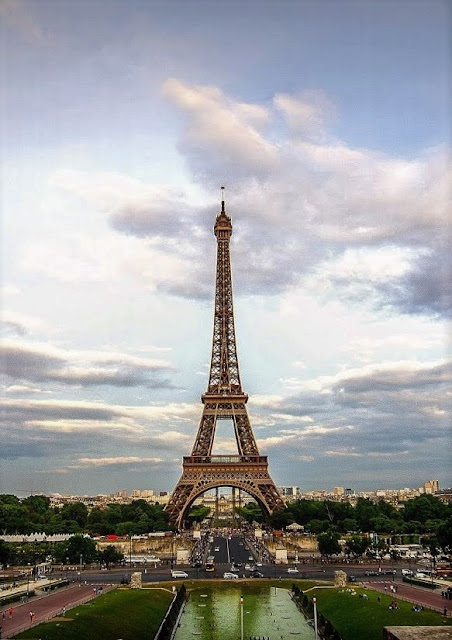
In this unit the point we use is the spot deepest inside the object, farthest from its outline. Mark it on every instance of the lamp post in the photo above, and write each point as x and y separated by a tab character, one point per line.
314	602
241	617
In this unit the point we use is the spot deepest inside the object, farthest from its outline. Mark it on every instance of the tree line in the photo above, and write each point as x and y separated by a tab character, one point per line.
35	514
425	515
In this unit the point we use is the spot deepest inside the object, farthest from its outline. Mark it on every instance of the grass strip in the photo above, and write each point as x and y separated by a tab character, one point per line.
130	614
356	617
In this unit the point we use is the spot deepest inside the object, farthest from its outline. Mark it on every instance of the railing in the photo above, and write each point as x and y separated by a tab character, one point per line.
239	460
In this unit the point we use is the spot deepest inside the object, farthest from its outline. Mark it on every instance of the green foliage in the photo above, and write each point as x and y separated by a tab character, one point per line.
425	507
76	548
198	514
7	553
444	535
110	555
251	512
328	543
357	544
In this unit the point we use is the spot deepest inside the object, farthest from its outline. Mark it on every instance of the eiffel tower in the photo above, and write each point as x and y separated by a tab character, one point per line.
224	399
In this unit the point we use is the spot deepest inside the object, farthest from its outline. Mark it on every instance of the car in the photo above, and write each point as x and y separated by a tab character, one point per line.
389	572
229	575
256	574
179	574
407	572
217	548
251	559
371	573
292	570
258	564
247	567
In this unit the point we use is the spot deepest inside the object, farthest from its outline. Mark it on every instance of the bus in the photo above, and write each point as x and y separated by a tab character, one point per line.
210	563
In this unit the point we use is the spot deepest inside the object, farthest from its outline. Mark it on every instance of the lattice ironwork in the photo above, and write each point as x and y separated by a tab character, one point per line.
224	399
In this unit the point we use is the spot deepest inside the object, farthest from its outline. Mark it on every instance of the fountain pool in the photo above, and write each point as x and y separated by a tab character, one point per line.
217	614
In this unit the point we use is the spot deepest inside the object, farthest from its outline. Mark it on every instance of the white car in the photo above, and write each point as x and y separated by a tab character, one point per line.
247	567
179	574
292	570
229	575
217	548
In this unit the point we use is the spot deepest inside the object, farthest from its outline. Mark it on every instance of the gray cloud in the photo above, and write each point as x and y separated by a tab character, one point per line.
26	362
376	414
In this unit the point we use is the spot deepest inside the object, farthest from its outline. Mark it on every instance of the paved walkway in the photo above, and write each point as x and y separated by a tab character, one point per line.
18	617
416	595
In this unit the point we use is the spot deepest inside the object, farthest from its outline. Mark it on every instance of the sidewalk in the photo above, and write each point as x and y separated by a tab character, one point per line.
19	617
416	595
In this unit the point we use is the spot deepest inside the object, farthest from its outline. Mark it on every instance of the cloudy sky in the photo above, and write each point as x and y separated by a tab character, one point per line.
328	125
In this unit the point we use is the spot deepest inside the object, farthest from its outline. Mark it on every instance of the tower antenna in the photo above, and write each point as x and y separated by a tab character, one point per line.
222	199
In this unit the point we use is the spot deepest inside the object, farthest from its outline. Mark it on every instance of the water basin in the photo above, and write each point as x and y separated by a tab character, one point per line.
266	612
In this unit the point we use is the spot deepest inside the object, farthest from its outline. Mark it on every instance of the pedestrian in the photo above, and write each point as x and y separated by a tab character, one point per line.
445	612
63	611
10	612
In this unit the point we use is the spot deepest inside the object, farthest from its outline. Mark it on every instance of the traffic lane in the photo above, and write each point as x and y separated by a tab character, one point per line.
239	551
44	607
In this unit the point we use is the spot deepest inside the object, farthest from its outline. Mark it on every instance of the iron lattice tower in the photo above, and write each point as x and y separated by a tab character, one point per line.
224	399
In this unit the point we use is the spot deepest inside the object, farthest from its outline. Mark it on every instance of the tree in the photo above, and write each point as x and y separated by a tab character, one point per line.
423	508
328	543
110	555
357	544
7	553
76	548
444	535
75	512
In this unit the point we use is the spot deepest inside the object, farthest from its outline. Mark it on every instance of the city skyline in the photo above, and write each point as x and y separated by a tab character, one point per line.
329	128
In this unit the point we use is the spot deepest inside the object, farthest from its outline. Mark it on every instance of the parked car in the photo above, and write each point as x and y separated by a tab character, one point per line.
292	570
371	573
229	575
407	572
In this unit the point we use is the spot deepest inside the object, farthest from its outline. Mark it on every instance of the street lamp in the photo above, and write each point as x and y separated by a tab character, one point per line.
241	617
314	602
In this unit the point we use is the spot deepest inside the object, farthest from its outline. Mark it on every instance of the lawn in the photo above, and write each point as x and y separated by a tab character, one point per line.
130	614
356	618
